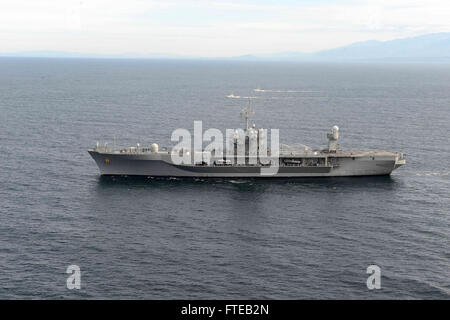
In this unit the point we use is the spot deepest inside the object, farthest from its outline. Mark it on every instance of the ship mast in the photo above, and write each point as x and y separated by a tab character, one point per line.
246	113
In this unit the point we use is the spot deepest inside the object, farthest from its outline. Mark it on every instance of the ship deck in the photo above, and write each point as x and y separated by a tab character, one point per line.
311	154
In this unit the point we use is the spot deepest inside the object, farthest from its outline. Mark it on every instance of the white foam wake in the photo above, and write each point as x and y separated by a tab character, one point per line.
284	91
232	96
433	174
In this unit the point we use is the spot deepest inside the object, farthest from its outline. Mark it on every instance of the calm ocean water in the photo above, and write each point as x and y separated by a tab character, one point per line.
162	239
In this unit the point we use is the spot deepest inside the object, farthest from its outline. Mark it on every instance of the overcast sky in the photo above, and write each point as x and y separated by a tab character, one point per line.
211	28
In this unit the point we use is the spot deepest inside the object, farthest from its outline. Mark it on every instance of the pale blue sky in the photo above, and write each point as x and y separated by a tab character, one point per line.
216	28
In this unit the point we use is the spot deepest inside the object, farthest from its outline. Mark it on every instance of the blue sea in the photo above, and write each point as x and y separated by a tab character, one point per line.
150	238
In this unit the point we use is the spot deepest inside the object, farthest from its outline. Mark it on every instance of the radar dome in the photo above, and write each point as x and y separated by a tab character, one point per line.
335	131
155	147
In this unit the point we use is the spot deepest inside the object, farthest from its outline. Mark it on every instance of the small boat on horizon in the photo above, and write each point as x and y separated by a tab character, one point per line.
232	95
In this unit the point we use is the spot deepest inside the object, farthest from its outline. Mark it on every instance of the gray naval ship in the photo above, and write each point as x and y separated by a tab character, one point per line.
291	161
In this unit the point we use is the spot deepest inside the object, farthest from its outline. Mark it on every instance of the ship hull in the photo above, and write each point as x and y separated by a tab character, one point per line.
160	165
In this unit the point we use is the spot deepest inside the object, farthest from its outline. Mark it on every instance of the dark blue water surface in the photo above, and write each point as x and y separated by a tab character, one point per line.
162	239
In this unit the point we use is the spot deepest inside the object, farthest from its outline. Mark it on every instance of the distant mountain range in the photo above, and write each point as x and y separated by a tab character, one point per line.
66	54
426	48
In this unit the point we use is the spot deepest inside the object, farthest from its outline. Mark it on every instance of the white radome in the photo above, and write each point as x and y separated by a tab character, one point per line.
335	131
155	147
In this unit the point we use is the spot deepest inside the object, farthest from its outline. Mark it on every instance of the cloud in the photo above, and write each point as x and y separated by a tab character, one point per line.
211	28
